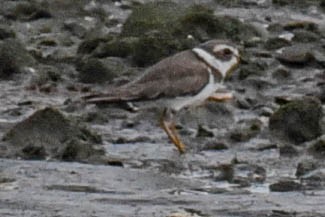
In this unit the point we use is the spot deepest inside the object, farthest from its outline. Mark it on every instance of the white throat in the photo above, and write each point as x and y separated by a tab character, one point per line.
222	66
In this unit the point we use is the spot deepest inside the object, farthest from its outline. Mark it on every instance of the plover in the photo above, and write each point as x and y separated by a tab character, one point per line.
185	79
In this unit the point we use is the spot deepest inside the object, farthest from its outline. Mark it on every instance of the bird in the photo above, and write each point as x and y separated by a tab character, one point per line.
187	78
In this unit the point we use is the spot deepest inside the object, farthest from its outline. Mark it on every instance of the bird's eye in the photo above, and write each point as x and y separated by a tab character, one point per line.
227	51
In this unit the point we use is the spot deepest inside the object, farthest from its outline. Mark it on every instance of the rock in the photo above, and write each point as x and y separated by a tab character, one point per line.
244	102
321	93
297	121
230	28
305	167
319	57
6	32
253	42
303	36
276	43
48	42
75	28
152	47
242	173
299	4
286	186
13	58
275	28
163	28
281	74
296	55
251	69
44	75
322	4
203	131
283	99
158	29
28	11
92	70
49	134
288	150
87	46
280	2
116	47
315	179
246	131
317	147
298	24
214	146
257	83
32	152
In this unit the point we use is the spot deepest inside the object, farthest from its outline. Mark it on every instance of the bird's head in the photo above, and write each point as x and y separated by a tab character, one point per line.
222	56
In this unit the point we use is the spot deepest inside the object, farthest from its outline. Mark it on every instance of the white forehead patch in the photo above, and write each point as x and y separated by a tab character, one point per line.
220	47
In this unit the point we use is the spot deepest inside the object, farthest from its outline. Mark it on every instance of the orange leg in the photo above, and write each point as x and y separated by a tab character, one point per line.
220	97
169	127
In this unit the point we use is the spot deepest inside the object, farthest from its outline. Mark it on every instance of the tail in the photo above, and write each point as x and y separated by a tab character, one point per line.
113	96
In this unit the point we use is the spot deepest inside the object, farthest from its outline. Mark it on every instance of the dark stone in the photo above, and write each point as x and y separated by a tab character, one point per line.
240	173
87	46
286	186
276	43
288	151
49	134
252	68
153	46
306	25
151	16
314	179
297	121
198	18
321	94
45	75
28	11
162	28
159	29
282	100
95	71
6	180
305	167
118	47
317	148
243	102
6	32
31	152
281	74
49	42
322	3
296	55
296	4
78	150
280	2
304	36
215	146
13	57
203	131
75	28
275	28
246	132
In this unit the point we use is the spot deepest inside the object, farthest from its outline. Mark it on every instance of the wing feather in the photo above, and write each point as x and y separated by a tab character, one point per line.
181	74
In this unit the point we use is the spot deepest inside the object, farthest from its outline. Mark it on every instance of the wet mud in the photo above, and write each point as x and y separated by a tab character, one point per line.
259	154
